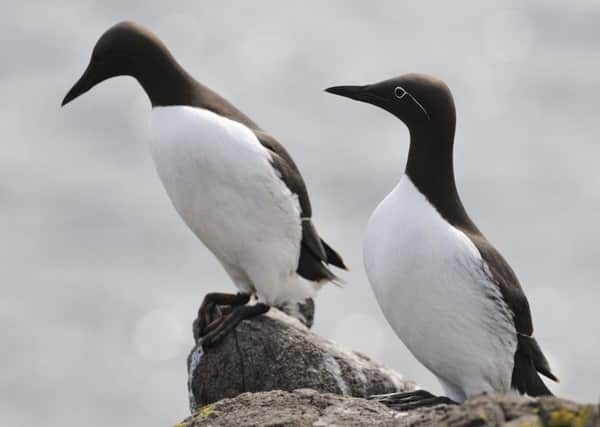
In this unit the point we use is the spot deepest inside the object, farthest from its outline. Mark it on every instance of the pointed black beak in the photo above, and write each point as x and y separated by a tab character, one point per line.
84	84
359	93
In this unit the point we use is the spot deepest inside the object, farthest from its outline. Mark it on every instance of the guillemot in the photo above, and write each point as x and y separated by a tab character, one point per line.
446	291
234	185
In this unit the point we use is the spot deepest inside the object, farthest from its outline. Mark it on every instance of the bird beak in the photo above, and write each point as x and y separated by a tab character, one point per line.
84	84
359	93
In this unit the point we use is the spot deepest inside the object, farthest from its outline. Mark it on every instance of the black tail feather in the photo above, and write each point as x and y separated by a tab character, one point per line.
531	346
312	268
333	257
529	360
315	254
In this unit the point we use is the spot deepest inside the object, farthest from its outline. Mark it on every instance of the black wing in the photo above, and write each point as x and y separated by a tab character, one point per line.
529	359
314	251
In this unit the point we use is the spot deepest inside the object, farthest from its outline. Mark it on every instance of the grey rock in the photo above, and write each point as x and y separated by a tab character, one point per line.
310	408
504	410
273	371
297	408
276	352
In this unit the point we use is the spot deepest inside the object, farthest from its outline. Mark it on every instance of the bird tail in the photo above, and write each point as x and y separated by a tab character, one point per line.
529	361
316	255
333	257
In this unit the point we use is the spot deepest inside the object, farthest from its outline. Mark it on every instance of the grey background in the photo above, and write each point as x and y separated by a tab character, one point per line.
100	279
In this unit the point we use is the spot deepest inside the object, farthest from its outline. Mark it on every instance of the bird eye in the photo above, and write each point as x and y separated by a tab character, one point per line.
399	92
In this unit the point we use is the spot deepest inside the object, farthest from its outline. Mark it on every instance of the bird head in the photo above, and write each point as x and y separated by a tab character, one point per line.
420	101
123	50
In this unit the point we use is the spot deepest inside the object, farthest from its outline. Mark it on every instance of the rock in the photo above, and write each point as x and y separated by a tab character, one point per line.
273	371
276	352
297	408
505	410
310	408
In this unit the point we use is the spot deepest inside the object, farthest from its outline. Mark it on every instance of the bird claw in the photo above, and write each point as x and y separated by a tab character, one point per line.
406	401
228	321
217	330
213	307
207	313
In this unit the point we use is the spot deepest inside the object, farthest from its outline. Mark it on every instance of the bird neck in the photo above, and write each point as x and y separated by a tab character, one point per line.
166	82
430	167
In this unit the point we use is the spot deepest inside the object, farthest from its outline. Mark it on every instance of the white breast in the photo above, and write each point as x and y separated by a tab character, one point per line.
430	282
220	180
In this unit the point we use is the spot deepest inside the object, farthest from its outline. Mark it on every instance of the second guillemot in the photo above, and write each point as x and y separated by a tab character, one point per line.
446	291
234	185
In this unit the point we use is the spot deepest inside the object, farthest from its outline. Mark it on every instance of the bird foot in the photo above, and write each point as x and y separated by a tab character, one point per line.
406	401
213	307
219	328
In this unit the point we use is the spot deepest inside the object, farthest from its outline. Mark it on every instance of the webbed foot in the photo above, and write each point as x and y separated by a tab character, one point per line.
406	401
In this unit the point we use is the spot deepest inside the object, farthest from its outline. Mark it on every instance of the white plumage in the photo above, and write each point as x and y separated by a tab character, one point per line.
221	182
435	291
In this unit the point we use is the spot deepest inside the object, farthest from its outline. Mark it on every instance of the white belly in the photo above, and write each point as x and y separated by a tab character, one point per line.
220	180
429	280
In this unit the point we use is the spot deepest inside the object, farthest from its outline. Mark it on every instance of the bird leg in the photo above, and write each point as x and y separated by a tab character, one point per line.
219	328
406	401
209	309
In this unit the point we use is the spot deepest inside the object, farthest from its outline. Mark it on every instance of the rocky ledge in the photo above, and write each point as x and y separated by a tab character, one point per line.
303	407
273	371
307	407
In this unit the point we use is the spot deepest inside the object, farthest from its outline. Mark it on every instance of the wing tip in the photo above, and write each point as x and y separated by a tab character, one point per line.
549	375
333	258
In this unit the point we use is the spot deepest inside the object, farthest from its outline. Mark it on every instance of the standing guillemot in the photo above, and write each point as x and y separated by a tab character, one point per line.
233	184
446	291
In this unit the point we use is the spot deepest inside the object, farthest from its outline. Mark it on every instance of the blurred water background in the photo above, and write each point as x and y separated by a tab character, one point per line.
100	279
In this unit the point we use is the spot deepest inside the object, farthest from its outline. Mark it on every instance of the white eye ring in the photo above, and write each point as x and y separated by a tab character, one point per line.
399	92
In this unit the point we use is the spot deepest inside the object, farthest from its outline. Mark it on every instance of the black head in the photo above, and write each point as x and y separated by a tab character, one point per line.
126	49
426	106
420	101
